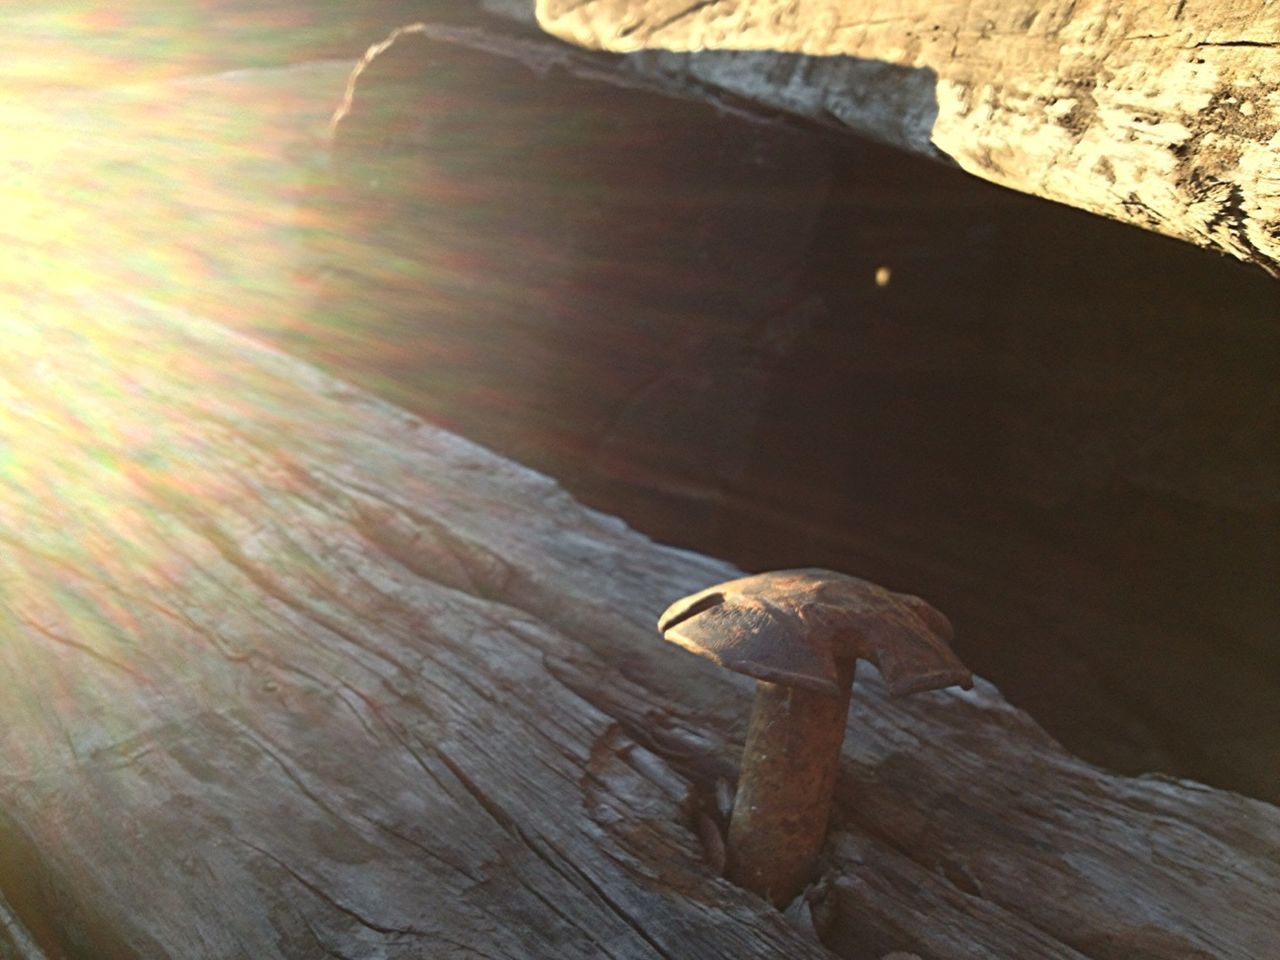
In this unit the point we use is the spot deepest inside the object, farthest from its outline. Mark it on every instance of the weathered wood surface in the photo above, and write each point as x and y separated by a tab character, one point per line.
1042	389
1164	115
290	673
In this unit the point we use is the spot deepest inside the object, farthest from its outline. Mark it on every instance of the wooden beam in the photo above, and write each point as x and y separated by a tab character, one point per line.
1164	115
290	673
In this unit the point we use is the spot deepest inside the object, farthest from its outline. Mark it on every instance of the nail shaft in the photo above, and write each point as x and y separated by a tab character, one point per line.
785	790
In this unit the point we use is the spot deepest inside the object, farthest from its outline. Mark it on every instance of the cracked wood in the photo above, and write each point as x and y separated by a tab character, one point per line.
292	674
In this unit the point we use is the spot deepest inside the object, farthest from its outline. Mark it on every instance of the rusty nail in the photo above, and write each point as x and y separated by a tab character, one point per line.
799	633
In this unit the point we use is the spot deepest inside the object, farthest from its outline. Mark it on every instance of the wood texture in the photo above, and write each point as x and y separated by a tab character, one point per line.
290	673
1164	115
1037	387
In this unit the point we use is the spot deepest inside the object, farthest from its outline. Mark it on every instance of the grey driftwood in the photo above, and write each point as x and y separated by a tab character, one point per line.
291	673
1163	115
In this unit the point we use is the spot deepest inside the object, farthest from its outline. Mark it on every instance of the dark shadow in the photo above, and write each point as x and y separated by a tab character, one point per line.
756	338
892	104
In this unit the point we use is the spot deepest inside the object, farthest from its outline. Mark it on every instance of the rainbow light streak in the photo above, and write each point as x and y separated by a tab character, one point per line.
126	174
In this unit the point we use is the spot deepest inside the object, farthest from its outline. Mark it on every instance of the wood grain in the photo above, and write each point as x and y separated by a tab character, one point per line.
292	674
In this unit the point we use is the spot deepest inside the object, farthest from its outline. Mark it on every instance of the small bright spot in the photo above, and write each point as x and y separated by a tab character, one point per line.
883	276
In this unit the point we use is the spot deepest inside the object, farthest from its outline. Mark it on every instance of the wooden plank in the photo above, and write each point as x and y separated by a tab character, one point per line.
1163	115
672	376
291	673
260	705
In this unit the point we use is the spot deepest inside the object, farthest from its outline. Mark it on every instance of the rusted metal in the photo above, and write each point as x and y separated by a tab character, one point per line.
800	633
787	783
792	626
